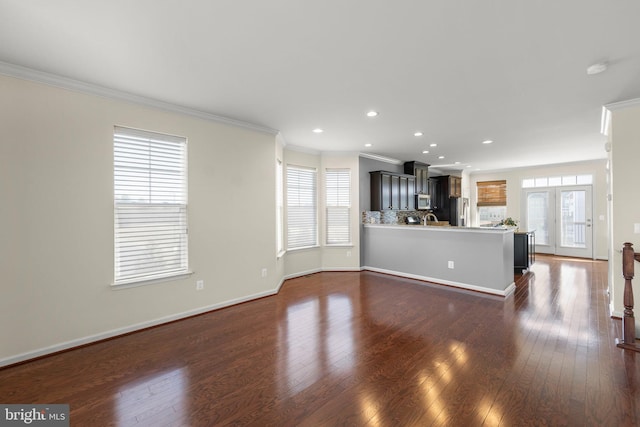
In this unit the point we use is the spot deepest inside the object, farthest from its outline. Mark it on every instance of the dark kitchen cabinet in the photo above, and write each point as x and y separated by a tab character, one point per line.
407	193
447	201
392	191
421	172
433	192
455	186
524	250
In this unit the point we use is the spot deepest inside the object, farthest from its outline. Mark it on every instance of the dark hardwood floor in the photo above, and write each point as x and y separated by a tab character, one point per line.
362	349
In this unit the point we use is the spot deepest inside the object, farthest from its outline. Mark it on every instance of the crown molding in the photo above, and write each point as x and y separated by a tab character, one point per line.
25	73
623	104
382	158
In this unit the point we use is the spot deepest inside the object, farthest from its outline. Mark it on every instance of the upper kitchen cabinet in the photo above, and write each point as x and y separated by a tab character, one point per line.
455	186
421	172
451	186
392	191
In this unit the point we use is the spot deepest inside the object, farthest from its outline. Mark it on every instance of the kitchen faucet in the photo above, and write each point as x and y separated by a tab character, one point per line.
430	215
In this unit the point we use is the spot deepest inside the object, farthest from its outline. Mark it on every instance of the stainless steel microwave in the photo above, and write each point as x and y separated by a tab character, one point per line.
423	201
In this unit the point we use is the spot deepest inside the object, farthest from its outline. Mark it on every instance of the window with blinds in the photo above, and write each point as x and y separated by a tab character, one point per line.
302	219
338	205
150	204
492	193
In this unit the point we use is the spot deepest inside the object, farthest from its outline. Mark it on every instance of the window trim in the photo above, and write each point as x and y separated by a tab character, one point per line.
280	210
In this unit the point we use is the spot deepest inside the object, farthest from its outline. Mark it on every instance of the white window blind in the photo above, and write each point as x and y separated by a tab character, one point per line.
150	194
302	221
338	200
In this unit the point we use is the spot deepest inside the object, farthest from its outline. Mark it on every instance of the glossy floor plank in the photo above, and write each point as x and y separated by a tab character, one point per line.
362	349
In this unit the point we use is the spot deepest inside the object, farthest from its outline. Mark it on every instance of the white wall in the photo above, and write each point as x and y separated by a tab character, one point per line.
322	258
341	257
56	243
625	152
514	193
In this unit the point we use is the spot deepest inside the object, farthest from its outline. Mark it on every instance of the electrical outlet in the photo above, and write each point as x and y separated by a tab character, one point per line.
450	264
264	272
199	285
348	254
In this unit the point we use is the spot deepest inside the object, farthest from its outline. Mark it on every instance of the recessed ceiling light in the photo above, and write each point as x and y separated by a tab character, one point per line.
425	152
457	163
468	166
433	145
372	113
441	157
596	68
367	145
487	141
317	130
418	134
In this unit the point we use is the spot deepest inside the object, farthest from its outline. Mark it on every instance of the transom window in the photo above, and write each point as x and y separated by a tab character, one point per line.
557	181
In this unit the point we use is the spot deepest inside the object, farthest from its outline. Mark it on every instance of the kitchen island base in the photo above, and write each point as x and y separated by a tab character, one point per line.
476	259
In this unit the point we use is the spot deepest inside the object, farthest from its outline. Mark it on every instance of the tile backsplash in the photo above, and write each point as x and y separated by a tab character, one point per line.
389	217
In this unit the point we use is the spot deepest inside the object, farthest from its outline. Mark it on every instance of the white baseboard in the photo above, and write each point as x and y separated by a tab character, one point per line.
132	328
301	273
503	293
319	270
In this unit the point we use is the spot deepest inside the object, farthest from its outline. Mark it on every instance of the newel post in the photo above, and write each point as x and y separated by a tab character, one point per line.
628	341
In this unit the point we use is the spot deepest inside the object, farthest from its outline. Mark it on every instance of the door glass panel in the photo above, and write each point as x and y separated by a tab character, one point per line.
573	227
537	208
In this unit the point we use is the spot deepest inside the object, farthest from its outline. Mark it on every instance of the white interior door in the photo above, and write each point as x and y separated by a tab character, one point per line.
561	218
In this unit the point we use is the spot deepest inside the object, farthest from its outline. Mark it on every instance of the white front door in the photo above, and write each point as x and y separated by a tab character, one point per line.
561	218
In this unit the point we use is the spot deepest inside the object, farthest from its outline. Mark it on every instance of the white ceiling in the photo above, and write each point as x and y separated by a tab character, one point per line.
460	71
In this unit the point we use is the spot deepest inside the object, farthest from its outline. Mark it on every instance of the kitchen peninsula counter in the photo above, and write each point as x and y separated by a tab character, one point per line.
482	257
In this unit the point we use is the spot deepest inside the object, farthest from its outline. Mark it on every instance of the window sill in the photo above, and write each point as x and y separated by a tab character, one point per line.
339	245
303	248
134	283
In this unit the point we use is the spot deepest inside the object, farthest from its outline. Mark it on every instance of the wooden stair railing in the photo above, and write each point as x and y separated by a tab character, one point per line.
628	341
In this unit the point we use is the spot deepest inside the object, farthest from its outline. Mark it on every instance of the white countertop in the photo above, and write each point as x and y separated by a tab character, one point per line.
444	228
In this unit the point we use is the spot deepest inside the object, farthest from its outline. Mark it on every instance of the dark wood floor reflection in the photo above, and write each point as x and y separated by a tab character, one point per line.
362	349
